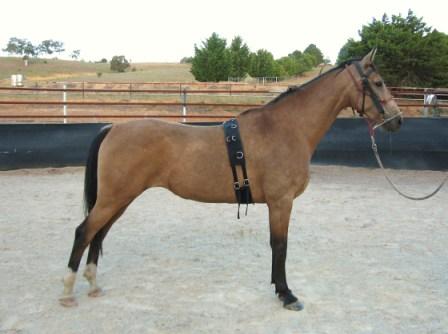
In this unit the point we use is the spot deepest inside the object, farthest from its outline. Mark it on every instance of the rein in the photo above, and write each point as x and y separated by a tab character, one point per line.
380	164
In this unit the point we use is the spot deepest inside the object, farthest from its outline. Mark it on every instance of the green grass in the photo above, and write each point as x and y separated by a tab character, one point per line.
65	70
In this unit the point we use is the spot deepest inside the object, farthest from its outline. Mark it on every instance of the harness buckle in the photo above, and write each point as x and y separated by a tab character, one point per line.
246	183
239	155
236	185
230	139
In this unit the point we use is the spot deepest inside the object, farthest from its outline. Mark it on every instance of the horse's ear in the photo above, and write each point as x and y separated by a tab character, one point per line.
368	58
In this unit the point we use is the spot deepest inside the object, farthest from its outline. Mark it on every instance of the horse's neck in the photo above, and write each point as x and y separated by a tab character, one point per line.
314	109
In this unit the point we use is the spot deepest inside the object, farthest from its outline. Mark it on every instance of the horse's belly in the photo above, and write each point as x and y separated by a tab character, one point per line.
203	189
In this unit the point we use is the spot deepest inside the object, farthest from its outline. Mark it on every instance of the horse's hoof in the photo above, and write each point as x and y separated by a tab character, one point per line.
68	301
290	302
97	292
294	306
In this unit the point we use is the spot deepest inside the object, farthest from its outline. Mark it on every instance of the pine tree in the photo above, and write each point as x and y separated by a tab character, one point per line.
211	62
239	58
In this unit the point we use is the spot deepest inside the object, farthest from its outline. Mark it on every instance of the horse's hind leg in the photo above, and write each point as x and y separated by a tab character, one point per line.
95	221
92	259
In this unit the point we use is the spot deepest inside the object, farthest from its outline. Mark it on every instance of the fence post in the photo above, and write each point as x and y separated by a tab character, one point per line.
64	99
184	105
429	101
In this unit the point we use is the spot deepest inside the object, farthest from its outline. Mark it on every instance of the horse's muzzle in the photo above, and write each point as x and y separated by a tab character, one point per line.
392	124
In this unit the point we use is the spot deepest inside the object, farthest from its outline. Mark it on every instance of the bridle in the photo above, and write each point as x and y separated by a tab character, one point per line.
365	89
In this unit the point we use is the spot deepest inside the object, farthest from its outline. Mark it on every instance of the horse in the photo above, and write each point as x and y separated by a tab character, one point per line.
191	161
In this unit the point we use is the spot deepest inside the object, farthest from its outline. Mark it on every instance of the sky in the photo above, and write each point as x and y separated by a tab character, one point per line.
167	30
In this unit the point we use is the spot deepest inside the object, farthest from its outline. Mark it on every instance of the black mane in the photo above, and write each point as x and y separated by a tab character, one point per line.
294	89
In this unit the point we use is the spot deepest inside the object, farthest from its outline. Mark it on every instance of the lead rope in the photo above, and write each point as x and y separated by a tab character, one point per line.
380	163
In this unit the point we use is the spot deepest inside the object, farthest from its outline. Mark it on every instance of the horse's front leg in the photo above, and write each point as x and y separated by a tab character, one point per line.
279	214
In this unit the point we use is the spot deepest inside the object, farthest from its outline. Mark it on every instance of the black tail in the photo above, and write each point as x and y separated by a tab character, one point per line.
91	173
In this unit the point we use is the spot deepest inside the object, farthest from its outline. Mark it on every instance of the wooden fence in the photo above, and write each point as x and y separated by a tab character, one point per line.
114	102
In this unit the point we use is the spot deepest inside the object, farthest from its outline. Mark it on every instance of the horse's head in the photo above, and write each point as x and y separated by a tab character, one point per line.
371	98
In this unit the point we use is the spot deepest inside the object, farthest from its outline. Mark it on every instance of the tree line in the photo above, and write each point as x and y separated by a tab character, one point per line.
23	47
411	53
215	61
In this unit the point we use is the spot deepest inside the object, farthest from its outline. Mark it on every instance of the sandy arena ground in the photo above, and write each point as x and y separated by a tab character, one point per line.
362	259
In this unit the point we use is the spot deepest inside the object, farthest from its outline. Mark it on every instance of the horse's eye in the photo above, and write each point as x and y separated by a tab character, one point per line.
379	83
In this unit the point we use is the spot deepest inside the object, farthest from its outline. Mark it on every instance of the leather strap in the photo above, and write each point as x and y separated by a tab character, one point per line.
237	158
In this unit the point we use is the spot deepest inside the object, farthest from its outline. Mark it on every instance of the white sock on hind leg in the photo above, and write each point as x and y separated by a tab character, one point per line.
90	275
69	282
68	299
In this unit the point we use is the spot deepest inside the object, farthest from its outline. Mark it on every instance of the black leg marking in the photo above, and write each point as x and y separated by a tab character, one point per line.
279	246
79	245
279	250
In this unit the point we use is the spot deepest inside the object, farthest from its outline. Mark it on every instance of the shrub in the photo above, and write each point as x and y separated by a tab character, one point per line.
119	64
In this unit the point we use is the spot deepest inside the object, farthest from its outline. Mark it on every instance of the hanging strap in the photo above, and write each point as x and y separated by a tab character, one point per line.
237	158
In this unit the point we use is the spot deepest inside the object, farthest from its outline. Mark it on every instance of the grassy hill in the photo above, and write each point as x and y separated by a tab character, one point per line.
49	70
66	70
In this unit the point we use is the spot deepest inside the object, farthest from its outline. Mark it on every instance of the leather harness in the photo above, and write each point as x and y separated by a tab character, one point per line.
237	158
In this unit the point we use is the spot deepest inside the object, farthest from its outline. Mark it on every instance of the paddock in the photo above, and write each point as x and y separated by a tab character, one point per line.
361	258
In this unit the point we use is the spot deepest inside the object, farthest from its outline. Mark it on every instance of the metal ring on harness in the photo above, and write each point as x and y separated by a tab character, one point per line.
230	139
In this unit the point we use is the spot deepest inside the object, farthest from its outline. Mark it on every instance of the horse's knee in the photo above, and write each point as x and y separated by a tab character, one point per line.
279	245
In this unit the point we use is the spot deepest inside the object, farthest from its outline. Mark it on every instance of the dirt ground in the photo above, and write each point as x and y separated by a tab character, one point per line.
361	258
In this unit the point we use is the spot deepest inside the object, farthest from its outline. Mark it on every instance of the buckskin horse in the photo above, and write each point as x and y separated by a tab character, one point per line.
279	139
